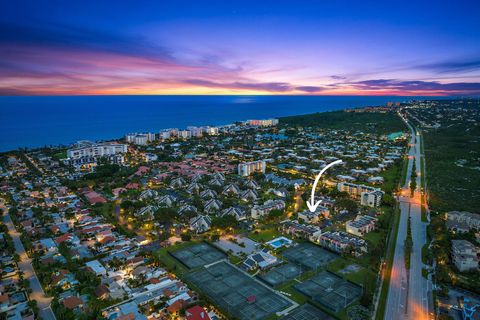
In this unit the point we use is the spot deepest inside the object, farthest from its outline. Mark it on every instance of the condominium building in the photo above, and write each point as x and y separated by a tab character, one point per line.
212	131
361	225
195	131
299	230
462	221
184	134
465	255
342	242
141	139
247	168
264	209
369	196
263	123
90	149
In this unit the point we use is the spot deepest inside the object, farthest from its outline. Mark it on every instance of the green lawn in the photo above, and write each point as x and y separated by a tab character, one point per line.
264	235
374	237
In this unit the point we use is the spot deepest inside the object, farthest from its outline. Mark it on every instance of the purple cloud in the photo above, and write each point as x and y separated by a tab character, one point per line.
399	85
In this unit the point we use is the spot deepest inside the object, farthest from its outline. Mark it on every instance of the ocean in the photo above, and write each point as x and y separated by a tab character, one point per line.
35	121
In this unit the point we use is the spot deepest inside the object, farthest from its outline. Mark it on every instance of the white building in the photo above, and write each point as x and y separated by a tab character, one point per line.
264	209
464	255
89	149
361	225
184	134
195	132
247	168
369	196
263	123
141	139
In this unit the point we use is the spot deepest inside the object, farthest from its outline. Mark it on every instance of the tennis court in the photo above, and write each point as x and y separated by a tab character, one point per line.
198	255
280	275
309	256
307	312
236	292
330	290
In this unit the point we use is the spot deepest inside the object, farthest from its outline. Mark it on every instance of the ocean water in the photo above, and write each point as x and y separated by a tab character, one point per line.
36	121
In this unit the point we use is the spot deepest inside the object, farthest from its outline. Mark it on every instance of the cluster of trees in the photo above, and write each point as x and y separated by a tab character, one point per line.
408	244
413	179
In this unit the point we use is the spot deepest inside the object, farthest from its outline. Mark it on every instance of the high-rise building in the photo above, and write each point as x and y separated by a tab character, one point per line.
247	168
90	149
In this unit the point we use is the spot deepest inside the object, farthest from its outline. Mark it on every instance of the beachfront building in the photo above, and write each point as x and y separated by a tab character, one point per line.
247	168
262	123
140	139
90	149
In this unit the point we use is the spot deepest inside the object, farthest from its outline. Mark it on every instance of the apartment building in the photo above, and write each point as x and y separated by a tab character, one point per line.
361	225
262	123
261	210
462	221
247	168
368	196
90	149
465	255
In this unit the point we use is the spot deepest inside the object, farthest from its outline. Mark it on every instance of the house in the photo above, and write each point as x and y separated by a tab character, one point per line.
216	182
196	313
249	195
146	212
167	200
231	189
194	188
177	183
68	238
261	259
465	255
63	278
102	292
212	205
208	194
200	223
237	212
148	194
252	184
73	303
187	209
96	267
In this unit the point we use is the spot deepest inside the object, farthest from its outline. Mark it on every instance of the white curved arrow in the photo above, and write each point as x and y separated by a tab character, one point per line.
312	206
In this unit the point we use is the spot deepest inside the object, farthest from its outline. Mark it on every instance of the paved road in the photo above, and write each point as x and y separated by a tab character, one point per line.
409	294
25	265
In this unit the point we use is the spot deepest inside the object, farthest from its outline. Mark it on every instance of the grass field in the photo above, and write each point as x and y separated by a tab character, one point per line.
380	123
264	235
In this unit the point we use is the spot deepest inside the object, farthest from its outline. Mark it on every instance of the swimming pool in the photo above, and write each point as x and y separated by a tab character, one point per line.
280	242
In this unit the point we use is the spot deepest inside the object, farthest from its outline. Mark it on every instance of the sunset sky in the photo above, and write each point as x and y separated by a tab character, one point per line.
240	47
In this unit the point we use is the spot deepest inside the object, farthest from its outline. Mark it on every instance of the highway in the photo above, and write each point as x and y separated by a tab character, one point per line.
25	265
409	294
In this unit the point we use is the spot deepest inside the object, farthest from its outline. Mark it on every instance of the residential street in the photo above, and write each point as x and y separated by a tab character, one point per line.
25	265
